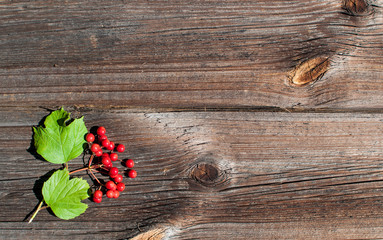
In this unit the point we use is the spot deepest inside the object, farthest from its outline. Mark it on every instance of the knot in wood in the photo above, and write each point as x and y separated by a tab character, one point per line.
355	7
207	174
309	71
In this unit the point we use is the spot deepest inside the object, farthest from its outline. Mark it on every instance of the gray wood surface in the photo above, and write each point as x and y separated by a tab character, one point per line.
191	54
294	171
247	119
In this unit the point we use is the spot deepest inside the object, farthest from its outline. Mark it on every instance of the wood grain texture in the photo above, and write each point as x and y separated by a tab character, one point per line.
172	54
271	175
248	119
309	71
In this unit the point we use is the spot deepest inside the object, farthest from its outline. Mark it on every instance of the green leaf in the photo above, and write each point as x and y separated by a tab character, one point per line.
58	142
64	196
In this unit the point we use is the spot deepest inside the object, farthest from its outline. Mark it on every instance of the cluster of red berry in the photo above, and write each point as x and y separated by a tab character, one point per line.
99	146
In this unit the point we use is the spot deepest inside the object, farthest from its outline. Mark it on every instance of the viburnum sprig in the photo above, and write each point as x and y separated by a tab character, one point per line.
101	160
62	140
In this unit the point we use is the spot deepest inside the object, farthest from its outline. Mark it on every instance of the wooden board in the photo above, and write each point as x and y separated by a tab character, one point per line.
208	174
182	54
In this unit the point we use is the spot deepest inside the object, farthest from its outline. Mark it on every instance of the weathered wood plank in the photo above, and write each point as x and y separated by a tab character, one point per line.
192	54
202	174
206	174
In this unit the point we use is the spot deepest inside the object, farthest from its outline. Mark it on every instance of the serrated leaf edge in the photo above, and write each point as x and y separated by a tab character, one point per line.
74	181
42	130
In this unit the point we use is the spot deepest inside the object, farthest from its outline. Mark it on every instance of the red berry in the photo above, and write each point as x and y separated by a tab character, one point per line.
98	153
102	138
95	147
90	137
111	146
97	200
116	194
120	186
113	157
101	131
97	194
132	173
120	148
106	160
129	163
105	143
105	155
113	172
110	193
118	178
109	166
110	185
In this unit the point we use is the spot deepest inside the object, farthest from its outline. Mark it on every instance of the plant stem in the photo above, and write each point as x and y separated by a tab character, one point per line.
79	170
89	168
85	168
90	160
91	172
37	210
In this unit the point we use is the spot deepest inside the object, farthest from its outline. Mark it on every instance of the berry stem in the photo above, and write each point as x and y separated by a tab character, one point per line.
79	170
37	210
84	168
90	161
91	172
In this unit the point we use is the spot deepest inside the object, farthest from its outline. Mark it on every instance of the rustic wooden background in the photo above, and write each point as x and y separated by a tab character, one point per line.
248	119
